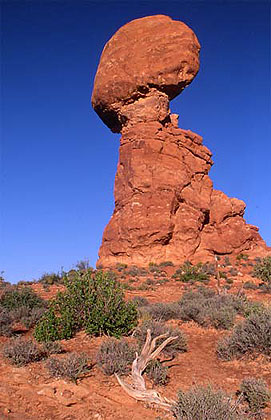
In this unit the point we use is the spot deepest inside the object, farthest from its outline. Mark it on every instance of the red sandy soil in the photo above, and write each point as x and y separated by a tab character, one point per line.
29	393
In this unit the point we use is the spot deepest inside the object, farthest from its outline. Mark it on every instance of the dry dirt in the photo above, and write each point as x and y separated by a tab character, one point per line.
28	393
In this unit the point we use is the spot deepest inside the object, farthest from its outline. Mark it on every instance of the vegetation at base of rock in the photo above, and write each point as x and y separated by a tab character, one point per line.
250	286
206	403
158	328
157	372
94	303
252	336
161	311
256	394
189	273
71	367
166	264
265	288
52	347
20	352
115	356
5	322
208	308
17	297
262	270
140	301
19	305
48	279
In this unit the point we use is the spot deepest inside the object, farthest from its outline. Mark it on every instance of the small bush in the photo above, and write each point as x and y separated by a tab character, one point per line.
17	297
52	347
250	286
157	373
121	267
205	403
157	328
5	322
255	393
93	303
48	279
20	352
161	311
241	257
140	301
233	271
207	308
252	336
265	288
134	271
262	270
227	261
166	264
115	356
83	265
71	367
28	317
189	273
154	268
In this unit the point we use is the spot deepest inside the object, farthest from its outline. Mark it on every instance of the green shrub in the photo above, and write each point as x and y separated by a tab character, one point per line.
71	367
93	303
20	352
205	403
115	356
256	394
16	297
189	273
157	373
262	270
252	336
157	328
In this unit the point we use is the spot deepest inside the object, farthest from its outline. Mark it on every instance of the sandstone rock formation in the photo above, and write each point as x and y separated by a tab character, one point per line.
165	204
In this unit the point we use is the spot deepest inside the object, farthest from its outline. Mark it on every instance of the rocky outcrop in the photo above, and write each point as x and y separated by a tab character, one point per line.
165	204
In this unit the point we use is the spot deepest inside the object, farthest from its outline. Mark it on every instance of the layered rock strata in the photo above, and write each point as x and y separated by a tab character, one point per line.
165	204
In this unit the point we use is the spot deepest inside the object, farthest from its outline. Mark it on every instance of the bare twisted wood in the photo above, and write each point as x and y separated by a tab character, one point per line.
137	389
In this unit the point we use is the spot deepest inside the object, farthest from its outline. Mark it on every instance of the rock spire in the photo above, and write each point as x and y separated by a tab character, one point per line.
165	204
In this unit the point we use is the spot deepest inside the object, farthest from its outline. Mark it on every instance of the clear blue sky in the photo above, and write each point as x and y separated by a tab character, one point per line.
59	160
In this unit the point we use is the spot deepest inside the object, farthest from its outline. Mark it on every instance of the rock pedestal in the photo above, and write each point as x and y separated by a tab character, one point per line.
165	206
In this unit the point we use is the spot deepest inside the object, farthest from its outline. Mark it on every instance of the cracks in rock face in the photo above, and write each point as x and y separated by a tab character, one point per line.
206	220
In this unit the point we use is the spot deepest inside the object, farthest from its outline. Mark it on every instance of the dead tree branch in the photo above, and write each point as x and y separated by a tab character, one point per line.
137	389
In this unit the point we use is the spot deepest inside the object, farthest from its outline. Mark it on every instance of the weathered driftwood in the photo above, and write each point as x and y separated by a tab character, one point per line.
137	389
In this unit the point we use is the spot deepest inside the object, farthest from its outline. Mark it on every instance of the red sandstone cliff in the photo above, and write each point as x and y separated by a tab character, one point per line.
165	205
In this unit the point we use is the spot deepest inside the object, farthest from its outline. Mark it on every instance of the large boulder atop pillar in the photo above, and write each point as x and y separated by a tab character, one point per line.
145	64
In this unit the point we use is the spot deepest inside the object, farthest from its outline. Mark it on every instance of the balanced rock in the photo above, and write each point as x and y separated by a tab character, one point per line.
165	204
145	64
